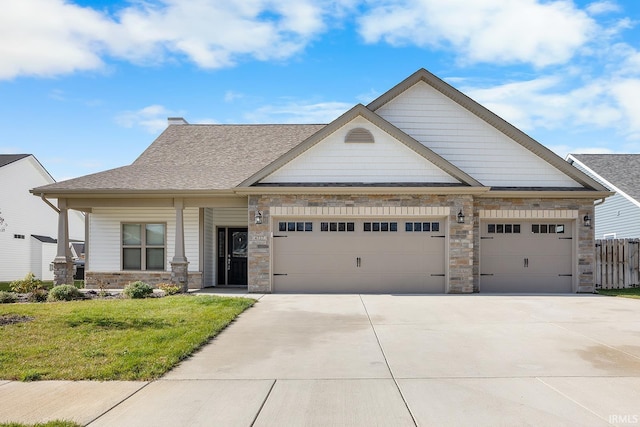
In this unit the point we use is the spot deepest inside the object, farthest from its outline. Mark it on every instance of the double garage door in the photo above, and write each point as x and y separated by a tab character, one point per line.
409	256
359	256
526	256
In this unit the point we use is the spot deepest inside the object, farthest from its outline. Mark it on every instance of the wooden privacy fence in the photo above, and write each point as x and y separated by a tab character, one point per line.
617	263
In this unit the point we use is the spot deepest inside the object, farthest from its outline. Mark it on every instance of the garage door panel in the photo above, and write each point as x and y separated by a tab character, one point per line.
311	263
539	258
329	282
517	283
359	261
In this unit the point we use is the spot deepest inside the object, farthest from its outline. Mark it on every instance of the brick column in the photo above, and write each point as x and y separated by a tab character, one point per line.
461	246
586	248
259	246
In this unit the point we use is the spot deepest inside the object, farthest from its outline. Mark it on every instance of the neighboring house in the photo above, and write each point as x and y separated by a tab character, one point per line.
423	190
28	227
619	216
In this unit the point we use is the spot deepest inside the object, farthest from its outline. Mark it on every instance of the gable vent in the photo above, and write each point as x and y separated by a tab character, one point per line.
359	135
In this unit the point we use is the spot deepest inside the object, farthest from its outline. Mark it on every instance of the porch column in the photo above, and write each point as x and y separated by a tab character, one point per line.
179	263
62	263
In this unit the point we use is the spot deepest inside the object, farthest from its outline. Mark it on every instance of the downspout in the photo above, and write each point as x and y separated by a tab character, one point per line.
44	199
599	202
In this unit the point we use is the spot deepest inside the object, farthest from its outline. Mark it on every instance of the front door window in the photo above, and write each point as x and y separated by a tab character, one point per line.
232	256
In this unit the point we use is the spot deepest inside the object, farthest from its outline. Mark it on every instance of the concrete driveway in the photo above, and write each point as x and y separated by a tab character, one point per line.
366	360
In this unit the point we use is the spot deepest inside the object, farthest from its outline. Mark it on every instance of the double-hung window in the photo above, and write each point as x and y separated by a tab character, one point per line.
143	246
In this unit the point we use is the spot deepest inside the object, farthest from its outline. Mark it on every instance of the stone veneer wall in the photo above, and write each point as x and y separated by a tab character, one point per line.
120	279
461	258
586	242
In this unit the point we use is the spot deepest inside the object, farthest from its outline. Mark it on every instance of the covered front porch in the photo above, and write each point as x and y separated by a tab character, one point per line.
157	240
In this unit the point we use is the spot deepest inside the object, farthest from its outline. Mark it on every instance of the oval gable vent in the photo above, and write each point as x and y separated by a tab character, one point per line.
359	135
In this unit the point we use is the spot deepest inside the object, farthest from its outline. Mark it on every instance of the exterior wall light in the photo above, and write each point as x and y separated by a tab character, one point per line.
587	220
258	217
460	217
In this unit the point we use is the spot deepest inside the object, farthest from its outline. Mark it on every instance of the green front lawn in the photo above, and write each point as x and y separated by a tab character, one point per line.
627	293
109	339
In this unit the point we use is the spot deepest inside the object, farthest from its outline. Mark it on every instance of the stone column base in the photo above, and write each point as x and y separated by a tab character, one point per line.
62	271
179	274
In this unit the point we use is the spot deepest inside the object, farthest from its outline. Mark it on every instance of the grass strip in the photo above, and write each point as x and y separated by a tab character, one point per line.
626	293
109	339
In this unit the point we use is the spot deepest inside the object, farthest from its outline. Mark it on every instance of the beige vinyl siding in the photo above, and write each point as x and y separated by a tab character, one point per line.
385	160
469	142
208	273
105	233
230	217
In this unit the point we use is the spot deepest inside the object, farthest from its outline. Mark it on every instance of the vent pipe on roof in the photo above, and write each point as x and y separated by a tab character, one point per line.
176	121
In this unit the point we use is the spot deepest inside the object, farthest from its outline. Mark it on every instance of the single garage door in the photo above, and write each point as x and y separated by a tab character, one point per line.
522	256
359	256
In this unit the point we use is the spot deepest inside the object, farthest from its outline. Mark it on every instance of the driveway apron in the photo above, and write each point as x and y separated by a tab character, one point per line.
400	360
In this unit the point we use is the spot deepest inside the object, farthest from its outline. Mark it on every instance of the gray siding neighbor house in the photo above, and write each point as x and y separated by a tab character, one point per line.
421	191
619	216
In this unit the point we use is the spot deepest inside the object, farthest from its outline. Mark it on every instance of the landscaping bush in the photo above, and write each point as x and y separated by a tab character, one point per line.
8	297
29	284
38	295
169	288
138	290
64	293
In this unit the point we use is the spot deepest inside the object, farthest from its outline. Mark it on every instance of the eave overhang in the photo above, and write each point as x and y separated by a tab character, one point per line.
546	194
352	190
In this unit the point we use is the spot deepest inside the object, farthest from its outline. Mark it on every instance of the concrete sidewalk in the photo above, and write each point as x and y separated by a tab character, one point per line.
381	360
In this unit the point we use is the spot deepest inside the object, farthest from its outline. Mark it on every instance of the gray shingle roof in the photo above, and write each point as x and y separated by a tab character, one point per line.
5	159
196	157
622	170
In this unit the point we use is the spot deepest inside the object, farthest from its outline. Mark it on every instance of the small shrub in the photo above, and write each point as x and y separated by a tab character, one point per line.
64	293
29	284
38	295
169	288
8	297
138	289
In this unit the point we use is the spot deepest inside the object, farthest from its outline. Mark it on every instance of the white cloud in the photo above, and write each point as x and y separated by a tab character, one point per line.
564	150
53	37
50	37
231	96
603	103
152	118
524	31
627	96
601	7
298	112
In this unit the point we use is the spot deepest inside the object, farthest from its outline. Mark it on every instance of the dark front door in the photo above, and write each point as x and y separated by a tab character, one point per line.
232	256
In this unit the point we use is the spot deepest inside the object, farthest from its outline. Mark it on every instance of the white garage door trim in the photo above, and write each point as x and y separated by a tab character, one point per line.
371	214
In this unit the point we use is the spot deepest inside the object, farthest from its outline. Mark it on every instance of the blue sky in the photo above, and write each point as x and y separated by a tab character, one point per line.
87	85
